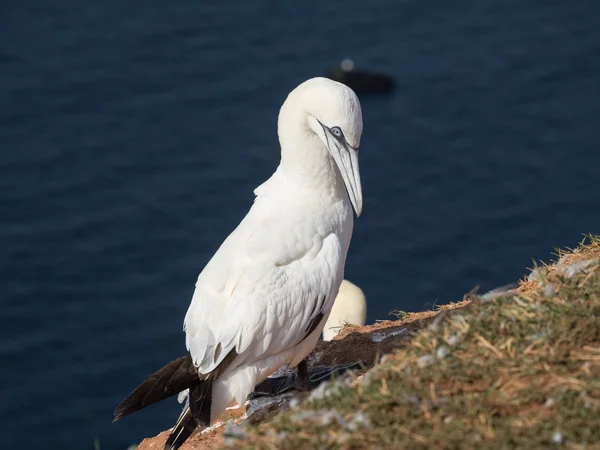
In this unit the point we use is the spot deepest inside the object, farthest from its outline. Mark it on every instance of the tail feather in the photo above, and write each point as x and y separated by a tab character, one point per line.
182	430
197	414
201	402
170	380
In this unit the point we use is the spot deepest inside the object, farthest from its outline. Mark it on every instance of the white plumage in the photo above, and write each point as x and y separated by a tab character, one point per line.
350	307
264	297
282	266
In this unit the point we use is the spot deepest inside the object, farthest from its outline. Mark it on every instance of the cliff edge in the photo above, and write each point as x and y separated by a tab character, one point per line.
515	367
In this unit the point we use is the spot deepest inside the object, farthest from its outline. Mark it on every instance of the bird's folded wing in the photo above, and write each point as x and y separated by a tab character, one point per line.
260	294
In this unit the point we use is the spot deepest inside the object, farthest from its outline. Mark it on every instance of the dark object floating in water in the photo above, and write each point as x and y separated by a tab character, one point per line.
360	81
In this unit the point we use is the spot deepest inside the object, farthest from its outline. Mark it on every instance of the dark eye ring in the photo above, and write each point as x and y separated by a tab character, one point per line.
336	131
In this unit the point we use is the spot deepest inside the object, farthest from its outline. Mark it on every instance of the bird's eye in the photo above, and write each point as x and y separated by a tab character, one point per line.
336	131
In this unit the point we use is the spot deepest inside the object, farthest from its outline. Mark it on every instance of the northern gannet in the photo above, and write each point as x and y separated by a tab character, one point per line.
263	299
350	307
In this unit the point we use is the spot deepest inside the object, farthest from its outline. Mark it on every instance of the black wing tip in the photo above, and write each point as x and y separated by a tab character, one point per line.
126	407
120	413
171	379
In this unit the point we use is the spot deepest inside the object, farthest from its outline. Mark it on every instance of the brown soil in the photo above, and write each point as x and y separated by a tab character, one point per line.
199	440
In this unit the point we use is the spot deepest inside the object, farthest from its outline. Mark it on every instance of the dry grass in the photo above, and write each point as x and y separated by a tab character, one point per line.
517	371
588	249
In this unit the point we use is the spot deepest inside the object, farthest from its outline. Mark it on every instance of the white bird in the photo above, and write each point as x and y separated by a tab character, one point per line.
350	307
263	299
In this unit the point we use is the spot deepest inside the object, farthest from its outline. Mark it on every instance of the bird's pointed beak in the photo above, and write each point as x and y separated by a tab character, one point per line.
346	158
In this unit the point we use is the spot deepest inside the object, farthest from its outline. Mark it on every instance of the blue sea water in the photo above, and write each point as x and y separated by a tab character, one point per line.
133	133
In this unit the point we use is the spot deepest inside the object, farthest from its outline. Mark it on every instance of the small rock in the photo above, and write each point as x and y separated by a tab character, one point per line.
435	324
502	291
282	435
550	402
571	270
314	359
579	266
414	399
260	407
328	416
369	377
232	433
454	339
361	419
351	426
343	438
214	426
534	275
425	361
324	437
301	416
459	318
379	336
442	351
557	438
319	392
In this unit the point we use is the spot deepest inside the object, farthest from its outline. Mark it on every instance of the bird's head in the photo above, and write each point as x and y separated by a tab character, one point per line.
329	111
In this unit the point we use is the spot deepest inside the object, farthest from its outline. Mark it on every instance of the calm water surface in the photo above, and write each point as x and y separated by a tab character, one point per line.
133	133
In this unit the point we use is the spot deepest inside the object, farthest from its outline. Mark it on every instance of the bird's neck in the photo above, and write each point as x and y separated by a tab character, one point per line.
306	162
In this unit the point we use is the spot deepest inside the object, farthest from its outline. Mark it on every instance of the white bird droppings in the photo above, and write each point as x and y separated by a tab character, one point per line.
380	336
557	438
442	351
454	339
425	361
